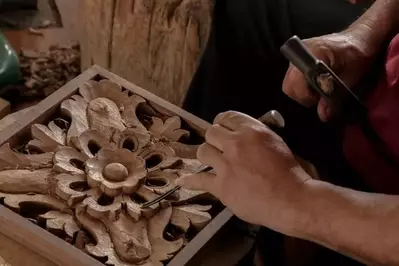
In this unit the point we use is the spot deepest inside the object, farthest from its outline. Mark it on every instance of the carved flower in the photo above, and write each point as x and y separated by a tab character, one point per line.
115	171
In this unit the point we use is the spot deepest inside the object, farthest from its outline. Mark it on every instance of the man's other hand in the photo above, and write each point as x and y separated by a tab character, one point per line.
348	55
257	176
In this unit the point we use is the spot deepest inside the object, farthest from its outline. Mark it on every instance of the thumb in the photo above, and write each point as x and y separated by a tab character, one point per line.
201	181
296	87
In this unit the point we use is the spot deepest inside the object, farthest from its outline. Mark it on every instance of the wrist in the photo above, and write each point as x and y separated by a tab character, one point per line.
377	25
297	210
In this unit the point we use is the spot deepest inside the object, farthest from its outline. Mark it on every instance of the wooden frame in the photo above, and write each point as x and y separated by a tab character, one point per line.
48	245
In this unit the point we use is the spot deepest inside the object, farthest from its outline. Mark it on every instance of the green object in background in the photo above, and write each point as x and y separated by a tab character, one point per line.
9	63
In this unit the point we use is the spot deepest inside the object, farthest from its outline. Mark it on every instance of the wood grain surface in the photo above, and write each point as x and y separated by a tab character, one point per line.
154	44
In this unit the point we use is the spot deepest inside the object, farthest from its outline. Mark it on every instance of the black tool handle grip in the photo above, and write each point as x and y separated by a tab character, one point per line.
296	52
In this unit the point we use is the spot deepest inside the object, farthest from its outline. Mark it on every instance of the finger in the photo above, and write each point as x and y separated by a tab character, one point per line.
208	155
204	181
296	87
324	110
235	120
218	136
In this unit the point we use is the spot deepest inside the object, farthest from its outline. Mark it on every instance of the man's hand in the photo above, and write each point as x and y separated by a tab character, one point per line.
257	176
346	53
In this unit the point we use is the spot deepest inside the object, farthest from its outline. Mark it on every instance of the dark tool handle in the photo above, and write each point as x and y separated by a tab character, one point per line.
296	52
344	102
347	106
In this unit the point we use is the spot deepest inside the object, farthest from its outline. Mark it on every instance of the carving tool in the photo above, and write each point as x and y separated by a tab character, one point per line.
271	119
347	107
324	81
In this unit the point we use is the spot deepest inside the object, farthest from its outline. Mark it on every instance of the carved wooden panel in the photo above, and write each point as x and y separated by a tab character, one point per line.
83	172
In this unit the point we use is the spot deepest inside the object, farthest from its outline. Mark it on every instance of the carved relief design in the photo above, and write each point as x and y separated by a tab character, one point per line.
84	178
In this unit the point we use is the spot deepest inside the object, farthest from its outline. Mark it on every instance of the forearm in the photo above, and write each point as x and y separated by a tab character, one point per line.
362	225
378	24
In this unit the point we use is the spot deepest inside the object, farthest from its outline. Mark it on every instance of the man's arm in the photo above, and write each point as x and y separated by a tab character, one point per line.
260	180
349	53
361	225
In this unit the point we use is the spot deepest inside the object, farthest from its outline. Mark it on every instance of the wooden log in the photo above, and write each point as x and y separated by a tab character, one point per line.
154	43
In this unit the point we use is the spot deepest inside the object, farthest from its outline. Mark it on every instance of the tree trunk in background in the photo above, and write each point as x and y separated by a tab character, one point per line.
155	44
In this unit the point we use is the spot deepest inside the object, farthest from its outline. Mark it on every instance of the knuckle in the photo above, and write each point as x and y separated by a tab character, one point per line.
258	133
225	116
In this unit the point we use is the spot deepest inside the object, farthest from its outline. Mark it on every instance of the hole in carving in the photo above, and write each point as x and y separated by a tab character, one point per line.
32	150
153	161
82	238
172	233
94	148
105	200
155	182
191	232
129	144
79	186
78	164
129	93
33	210
144	113
97	77
137	199
61	123
194	139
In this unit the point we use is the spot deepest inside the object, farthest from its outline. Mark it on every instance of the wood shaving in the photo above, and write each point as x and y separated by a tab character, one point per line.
45	72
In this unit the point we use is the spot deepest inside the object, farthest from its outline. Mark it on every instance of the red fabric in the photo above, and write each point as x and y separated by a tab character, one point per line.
383	106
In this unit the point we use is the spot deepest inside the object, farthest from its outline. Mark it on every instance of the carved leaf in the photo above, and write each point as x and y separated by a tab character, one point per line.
99	207
159	156
130	113
14	201
132	208
90	90
189	166
60	222
131	139
169	129
69	160
10	159
76	109
25	181
104	246
148	195
91	142
195	215
127	105
162	249
104	116
71	188
160	182
46	139
130	238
